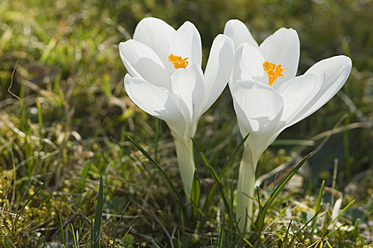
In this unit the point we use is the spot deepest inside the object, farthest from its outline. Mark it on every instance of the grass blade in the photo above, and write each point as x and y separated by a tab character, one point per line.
62	231
221	234
119	221
226	166
74	236
210	238
286	235
260	220
215	176
318	207
333	220
83	178
355	231
95	237
169	184
5	243
19	213
233	156
304	226
196	192
247	242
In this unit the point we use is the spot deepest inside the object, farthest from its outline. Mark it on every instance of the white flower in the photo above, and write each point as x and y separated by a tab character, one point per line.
165	78
268	96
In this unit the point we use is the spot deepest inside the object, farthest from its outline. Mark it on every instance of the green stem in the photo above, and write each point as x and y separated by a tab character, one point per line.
184	152
245	190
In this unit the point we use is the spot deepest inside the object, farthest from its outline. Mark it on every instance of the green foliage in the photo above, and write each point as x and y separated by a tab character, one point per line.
95	235
65	121
263	210
196	193
168	182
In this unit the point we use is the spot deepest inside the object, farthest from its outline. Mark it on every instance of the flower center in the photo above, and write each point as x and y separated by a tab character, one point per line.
178	61
273	74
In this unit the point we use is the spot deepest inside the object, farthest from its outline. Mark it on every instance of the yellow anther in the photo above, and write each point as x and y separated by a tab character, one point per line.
273	74
178	61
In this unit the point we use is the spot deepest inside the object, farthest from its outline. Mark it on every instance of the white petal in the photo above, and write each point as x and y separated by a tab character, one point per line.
248	63
156	101
259	109
218	69
297	93
156	34
239	33
186	42
336	71
187	84
260	103
123	48
141	61
283	48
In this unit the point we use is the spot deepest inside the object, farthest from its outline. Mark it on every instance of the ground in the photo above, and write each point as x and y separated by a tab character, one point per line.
66	120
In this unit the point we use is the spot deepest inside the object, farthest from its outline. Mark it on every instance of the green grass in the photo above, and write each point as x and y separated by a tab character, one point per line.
66	120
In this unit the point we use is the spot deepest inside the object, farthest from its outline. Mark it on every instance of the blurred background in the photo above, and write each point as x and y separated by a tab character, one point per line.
65	115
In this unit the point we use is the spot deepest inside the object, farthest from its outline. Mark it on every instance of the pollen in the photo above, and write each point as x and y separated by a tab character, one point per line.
178	61
274	71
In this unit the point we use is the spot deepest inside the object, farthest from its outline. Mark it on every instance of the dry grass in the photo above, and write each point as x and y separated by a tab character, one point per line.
65	119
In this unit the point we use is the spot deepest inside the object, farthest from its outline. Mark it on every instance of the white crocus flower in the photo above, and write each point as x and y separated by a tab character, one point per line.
268	96
165	79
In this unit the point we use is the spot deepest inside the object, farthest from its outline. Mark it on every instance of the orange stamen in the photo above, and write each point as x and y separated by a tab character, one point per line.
178	61
273	74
